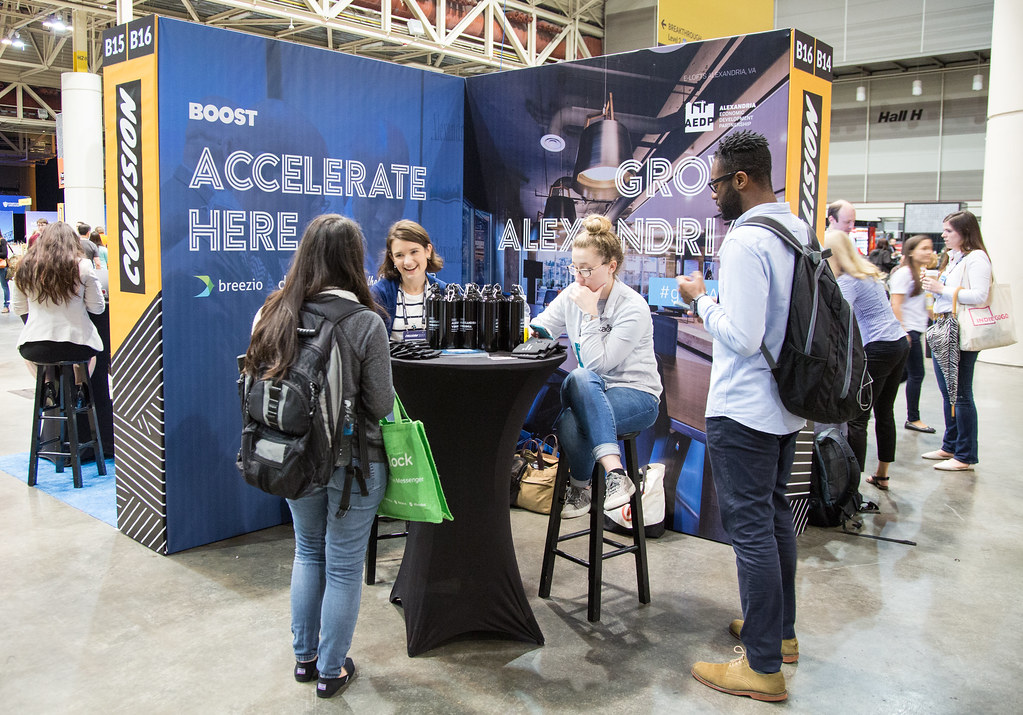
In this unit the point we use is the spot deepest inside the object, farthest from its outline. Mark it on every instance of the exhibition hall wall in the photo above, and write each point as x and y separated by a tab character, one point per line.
222	146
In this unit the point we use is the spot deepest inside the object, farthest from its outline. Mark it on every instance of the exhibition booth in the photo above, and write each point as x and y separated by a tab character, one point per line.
221	147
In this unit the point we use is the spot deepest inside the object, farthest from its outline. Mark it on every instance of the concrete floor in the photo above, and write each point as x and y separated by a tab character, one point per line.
92	622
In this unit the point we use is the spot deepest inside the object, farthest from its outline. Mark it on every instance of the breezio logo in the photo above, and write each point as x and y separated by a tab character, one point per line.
129	186
699	116
811	158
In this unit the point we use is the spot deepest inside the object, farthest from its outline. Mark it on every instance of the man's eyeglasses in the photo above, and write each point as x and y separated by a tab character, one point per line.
584	272
713	183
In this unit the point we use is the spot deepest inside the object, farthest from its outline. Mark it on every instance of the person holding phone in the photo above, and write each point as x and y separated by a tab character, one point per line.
616	388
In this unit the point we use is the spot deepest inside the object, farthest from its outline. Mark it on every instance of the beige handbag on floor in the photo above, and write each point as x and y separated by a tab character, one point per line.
536	485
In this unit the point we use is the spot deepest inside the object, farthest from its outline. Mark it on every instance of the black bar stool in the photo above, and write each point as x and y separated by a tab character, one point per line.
594	564
371	548
57	399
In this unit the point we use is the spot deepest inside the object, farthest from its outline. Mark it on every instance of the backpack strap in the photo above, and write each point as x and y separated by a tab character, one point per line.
355	473
781	231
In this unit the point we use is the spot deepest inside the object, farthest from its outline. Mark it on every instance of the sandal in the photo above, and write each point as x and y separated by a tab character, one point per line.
875	480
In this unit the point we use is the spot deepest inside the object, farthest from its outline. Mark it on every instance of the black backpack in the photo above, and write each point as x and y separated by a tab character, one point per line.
291	427
834	481
822	369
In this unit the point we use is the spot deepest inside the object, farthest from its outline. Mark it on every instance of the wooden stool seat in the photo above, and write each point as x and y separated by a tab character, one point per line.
60	400
597	555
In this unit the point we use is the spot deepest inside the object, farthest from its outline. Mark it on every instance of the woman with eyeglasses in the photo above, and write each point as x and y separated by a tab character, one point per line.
616	388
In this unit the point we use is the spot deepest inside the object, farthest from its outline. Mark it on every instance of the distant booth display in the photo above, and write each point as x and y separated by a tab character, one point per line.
218	155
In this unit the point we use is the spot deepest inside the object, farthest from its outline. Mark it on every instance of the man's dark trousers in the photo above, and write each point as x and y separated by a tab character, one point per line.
751	473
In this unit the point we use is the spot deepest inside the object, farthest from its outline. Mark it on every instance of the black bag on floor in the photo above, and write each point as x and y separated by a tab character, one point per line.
834	481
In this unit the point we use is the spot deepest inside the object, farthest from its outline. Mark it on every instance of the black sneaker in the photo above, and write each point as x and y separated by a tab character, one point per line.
329	687
619	489
577	502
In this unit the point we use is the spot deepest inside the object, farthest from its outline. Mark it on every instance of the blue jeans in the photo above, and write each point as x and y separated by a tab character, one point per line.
6	287
751	473
914	375
326	581
960	439
592	417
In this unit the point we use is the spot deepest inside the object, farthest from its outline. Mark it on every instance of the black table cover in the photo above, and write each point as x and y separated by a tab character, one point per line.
461	577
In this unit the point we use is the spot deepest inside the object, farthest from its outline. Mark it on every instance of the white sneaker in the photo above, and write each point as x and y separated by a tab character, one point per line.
577	502
619	489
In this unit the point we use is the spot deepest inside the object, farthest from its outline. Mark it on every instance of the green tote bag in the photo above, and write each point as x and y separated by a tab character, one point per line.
413	488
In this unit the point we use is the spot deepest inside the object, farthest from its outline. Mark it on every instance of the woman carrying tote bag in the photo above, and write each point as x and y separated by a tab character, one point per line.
965	279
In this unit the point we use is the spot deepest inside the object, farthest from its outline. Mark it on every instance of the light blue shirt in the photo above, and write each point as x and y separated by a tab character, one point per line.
873	312
754	285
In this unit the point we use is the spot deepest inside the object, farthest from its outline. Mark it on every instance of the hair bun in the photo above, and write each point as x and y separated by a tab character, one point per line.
597	223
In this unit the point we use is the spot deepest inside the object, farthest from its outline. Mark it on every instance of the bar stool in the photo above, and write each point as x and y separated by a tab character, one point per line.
371	548
594	563
60	397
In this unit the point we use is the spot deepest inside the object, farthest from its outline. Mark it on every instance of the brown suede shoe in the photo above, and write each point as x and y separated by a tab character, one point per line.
789	646
738	678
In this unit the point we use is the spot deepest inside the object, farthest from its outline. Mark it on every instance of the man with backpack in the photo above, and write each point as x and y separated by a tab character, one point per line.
751	436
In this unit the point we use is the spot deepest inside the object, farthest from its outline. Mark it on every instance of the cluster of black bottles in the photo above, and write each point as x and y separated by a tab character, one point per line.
478	318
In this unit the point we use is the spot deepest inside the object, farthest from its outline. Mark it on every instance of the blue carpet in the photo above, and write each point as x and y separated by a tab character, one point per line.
97	497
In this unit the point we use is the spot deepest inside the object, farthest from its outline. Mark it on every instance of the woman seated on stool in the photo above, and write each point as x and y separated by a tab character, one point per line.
57	287
616	388
401	290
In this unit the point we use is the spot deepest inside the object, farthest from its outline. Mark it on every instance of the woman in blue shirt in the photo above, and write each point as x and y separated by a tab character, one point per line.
885	344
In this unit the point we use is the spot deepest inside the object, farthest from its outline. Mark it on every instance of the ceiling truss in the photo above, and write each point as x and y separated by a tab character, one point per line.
458	37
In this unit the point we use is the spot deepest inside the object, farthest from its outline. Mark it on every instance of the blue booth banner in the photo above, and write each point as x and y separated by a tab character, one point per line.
222	146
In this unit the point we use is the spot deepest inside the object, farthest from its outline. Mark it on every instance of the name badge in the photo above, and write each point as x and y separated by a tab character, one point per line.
410	335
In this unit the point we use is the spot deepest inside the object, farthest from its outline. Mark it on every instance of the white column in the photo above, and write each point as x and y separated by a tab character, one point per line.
81	97
1003	157
125	11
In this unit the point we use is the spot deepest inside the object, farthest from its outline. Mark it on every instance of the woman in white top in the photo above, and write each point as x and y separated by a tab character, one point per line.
966	278
57	287
909	303
616	388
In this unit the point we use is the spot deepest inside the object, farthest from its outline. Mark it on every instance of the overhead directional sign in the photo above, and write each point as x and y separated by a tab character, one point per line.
679	21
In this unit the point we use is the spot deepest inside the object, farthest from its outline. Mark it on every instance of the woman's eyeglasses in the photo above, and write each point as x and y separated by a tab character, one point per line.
584	272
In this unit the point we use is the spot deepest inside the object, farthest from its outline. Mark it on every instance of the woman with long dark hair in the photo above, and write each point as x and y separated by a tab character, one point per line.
56	287
966	278
909	303
330	546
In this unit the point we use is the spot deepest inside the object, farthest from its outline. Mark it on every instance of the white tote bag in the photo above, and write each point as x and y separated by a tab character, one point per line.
653	504
987	326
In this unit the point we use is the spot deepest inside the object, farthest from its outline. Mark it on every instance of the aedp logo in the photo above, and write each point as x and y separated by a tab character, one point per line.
405	460
699	116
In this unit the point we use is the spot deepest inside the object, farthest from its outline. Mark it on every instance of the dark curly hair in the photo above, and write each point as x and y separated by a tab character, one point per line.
746	151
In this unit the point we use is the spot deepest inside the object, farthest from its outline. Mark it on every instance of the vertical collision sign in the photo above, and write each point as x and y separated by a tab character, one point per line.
810	121
128	118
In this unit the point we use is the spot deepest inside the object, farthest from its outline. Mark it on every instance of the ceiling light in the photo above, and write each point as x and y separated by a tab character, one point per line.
978	82
918	88
19	44
6	41
552	143
559	204
415	27
861	94
605	143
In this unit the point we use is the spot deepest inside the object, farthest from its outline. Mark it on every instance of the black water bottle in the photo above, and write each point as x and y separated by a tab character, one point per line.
471	317
504	322
490	318
435	309
518	317
453	311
